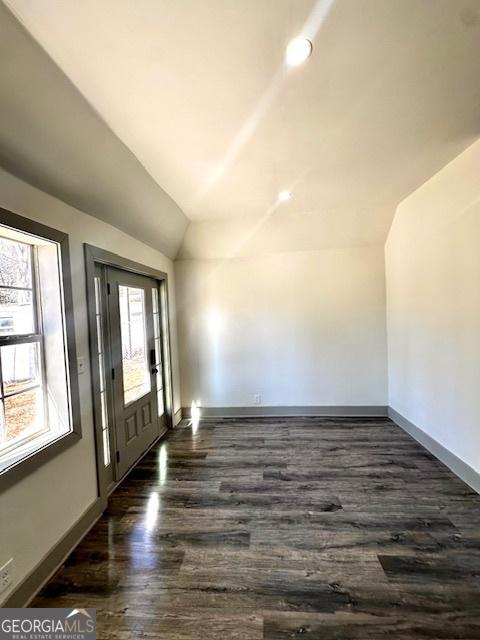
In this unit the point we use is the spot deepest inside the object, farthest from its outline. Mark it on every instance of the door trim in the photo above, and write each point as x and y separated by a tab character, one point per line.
95	256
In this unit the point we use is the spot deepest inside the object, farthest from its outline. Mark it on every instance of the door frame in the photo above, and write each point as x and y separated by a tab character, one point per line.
95	256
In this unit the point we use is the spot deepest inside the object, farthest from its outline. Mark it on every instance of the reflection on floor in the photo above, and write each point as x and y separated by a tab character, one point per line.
282	528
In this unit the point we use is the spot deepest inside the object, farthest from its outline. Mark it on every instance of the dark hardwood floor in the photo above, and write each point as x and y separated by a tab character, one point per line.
311	528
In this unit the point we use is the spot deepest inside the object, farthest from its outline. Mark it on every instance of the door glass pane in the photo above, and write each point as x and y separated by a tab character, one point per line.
156	325
99	334
20	367
97	296
155	300
105	430
158	351
106	448
16	312
101	373
136	370
161	408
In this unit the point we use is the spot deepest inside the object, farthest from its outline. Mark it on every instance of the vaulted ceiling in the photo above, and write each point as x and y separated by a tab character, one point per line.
198	91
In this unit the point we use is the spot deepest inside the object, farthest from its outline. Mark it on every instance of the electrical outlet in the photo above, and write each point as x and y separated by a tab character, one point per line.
6	575
257	398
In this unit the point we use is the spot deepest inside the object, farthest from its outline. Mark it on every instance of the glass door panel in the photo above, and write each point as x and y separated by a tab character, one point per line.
135	365
158	351
133	368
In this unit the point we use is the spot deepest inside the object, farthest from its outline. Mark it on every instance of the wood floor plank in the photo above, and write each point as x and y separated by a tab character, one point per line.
276	528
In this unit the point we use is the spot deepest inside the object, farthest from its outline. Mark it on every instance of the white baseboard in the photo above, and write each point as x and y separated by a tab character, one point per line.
460	468
288	411
26	590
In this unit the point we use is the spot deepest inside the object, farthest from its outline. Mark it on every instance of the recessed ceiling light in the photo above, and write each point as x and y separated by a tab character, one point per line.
298	50
283	196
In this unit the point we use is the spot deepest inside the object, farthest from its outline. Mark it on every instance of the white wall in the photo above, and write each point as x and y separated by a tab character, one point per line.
300	328
39	145
282	231
37	512
433	307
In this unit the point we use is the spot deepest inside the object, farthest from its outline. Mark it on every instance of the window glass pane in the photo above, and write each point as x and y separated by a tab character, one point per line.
3	426
20	367
31	303
23	414
15	264
16	312
136	371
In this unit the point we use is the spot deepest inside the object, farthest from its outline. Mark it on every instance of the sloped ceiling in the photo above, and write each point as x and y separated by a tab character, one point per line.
198	91
51	137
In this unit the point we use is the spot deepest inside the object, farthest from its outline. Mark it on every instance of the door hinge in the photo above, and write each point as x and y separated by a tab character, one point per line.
113	373
118	456
108	288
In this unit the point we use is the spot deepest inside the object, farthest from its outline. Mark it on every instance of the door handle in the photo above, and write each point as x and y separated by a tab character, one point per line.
154	370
